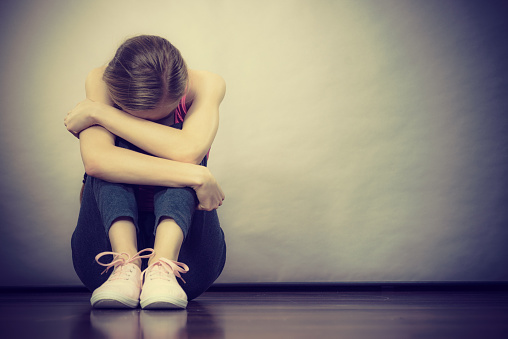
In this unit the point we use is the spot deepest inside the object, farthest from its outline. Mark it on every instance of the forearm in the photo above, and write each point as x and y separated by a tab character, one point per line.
116	164
157	139
104	160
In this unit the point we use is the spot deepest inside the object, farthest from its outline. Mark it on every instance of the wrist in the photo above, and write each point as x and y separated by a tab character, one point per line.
200	177
97	115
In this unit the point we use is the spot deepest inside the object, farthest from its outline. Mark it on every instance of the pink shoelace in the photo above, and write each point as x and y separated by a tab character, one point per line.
169	266
119	258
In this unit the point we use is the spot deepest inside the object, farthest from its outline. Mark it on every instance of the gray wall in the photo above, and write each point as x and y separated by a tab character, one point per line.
359	140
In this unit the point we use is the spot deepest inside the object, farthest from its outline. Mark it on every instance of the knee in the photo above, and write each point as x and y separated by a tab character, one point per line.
108	190
184	196
100	185
175	192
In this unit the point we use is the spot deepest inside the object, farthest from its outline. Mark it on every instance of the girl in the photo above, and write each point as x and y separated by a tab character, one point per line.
145	130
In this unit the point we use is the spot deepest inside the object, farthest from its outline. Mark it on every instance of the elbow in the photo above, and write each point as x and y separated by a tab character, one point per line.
96	166
191	159
193	156
192	153
93	168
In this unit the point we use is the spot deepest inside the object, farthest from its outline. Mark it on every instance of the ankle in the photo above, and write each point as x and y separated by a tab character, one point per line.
137	262
156	258
153	259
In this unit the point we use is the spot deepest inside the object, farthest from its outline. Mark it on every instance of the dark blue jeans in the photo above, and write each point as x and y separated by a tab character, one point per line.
119	200
203	248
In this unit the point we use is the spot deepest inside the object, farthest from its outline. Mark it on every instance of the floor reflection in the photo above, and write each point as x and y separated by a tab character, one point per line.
203	322
195	321
385	314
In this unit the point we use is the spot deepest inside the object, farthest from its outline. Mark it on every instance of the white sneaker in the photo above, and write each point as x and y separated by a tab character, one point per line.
123	287
160	288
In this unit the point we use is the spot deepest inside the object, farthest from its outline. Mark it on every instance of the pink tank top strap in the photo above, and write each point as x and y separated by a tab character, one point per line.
181	110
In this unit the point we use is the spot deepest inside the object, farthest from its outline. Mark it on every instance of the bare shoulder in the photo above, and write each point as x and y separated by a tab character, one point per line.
95	75
96	89
207	84
206	77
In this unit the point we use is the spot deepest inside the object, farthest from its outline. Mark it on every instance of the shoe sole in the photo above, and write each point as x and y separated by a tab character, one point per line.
110	300
163	303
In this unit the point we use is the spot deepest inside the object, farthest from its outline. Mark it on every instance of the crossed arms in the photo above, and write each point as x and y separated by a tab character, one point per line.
174	152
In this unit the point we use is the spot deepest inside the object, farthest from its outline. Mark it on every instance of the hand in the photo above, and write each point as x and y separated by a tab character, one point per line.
209	193
82	116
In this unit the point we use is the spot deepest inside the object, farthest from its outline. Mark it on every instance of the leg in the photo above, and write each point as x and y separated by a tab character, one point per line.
118	208
168	240
122	235
204	251
108	209
103	205
203	248
196	241
174	208
89	239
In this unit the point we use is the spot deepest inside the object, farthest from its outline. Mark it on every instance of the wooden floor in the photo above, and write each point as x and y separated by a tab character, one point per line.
356	314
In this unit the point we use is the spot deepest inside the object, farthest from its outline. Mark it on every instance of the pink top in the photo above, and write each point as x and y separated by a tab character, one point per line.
181	110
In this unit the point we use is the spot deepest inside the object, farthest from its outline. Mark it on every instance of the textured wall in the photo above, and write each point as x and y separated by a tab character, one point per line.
359	140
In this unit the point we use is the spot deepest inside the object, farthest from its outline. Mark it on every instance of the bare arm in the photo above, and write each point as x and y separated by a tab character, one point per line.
102	159
191	143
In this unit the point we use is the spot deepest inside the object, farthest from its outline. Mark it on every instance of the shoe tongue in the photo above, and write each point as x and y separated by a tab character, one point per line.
120	267
158	267
119	271
125	267
158	270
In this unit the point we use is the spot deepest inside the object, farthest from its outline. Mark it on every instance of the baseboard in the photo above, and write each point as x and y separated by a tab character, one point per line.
43	289
448	286
362	286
